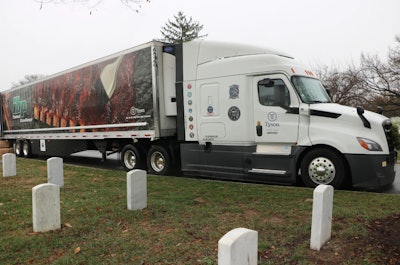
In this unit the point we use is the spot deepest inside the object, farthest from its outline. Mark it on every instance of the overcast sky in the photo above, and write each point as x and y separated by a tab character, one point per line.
325	32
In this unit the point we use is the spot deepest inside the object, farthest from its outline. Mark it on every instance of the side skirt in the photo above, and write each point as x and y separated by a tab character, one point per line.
58	147
240	163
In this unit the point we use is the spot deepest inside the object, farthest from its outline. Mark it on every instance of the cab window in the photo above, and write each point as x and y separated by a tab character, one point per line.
273	92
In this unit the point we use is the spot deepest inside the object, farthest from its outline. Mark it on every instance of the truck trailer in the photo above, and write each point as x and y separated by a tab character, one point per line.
210	109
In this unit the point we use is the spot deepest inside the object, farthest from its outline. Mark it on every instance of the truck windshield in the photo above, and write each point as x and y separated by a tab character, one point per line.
310	90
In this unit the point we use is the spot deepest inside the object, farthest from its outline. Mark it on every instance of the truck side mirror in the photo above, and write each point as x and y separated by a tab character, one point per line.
379	110
360	112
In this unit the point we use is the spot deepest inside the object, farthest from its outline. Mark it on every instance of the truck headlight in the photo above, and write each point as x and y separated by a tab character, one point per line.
369	144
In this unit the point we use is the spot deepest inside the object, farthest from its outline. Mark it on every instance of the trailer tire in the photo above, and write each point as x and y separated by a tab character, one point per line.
323	166
131	158
18	148
26	149
159	160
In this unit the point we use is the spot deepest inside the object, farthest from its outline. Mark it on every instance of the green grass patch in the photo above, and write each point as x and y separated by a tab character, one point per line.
182	224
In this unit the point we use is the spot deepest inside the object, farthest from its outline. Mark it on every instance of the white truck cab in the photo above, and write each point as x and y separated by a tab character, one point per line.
256	114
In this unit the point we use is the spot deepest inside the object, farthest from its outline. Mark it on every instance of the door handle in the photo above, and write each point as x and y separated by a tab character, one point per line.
259	128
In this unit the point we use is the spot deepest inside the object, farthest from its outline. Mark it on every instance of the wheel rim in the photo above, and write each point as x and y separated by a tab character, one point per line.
157	161
130	159
321	170
18	149
25	150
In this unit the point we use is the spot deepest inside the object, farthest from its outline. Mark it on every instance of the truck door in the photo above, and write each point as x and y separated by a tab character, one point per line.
276	114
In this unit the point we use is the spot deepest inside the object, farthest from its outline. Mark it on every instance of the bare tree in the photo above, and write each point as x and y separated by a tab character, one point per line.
132	4
27	79
384	77
345	87
375	83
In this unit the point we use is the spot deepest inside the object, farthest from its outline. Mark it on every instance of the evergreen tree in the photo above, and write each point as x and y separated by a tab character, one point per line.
181	29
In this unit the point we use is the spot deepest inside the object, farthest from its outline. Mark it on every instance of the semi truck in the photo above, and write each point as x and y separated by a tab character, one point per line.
210	109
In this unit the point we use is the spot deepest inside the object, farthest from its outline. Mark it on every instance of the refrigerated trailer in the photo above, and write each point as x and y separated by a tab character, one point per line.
211	109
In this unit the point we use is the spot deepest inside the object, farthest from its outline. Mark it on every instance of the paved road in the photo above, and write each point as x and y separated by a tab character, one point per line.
92	158
395	189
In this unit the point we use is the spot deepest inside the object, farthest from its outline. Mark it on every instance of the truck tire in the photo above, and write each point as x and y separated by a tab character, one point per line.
159	160
323	166
26	149
131	158
18	148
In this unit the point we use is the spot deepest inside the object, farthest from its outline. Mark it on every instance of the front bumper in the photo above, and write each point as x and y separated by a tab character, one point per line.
372	171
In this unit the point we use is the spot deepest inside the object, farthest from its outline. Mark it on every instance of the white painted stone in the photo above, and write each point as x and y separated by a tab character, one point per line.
136	183
55	171
46	214
238	247
9	165
321	216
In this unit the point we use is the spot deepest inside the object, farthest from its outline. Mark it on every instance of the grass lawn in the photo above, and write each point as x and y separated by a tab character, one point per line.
184	220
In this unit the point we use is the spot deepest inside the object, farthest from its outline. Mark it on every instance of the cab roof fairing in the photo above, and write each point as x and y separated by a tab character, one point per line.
247	65
199	52
212	50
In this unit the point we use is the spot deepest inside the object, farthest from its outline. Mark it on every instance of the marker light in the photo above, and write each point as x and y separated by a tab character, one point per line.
369	144
310	73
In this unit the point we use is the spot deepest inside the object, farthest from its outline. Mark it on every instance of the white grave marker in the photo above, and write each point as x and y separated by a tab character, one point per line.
46	207
238	247
55	171
136	182
9	165
321	216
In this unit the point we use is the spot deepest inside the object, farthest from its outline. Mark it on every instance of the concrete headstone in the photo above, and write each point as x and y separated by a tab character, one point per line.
136	189
9	165
46	214
237	247
321	225
55	171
